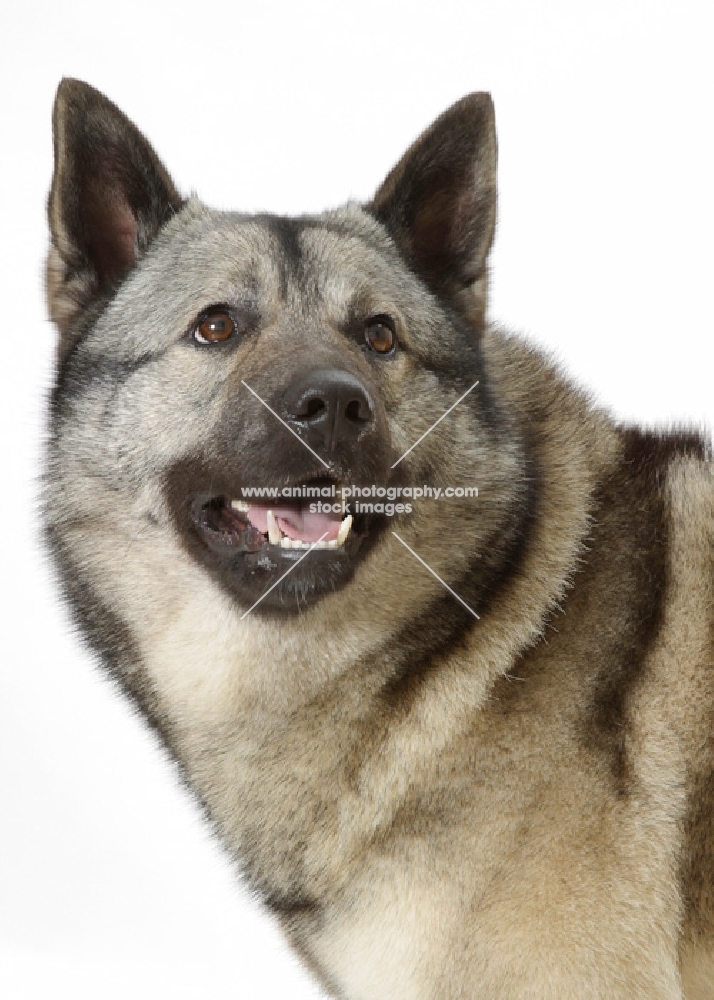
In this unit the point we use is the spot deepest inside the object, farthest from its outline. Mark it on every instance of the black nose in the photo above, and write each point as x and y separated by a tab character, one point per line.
328	408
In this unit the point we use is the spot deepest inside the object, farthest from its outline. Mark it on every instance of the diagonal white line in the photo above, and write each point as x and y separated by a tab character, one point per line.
433	425
452	592
296	563
287	426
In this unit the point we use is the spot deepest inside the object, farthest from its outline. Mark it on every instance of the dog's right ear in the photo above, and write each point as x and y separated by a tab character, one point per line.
110	196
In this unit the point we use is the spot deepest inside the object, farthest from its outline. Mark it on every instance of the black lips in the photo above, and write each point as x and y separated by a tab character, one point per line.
241	559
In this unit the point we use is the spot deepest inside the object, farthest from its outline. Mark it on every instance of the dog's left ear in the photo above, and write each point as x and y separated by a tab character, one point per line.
439	202
110	196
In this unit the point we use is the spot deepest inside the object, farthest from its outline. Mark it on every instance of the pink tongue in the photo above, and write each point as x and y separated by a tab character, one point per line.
297	523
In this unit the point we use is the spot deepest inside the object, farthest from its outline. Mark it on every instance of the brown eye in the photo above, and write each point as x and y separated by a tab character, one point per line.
379	334
214	328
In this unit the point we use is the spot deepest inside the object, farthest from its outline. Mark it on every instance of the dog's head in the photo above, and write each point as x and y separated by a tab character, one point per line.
205	353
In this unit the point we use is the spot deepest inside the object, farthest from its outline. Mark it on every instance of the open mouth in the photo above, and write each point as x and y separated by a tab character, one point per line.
231	526
277	554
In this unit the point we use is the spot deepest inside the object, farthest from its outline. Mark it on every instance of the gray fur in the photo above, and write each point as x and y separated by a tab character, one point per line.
514	806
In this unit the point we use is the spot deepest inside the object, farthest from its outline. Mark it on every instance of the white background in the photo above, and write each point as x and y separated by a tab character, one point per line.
109	884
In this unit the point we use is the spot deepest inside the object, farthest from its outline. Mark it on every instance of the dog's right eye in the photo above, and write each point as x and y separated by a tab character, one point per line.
215	327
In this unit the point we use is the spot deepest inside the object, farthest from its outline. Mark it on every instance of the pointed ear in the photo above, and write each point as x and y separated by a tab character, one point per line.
110	196
439	202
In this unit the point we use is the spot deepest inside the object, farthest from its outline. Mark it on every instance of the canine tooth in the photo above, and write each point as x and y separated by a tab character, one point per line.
274	532
240	505
344	530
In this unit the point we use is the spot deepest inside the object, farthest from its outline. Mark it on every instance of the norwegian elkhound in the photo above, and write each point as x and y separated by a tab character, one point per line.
462	745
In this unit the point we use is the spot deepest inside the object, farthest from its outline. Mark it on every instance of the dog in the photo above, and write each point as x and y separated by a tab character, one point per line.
445	689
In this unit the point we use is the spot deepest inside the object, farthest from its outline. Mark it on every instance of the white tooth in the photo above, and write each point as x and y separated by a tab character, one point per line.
286	543
344	530
274	532
332	544
321	544
240	505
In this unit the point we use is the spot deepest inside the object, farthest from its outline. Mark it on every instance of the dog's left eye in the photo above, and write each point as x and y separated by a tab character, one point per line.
215	328
379	334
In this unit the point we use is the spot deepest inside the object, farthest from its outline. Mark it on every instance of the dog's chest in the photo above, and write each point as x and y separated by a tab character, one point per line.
390	937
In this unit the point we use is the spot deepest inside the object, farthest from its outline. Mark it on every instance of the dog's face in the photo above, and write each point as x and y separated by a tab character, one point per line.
206	352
